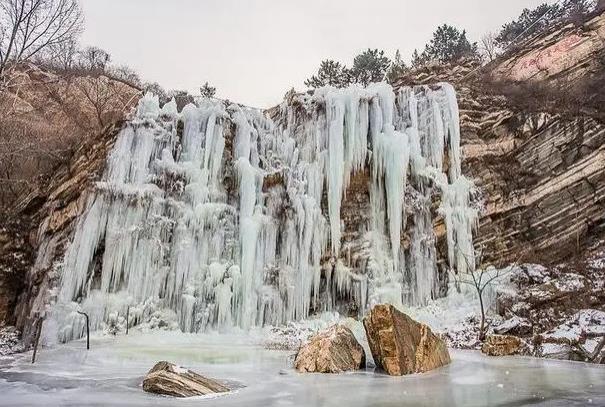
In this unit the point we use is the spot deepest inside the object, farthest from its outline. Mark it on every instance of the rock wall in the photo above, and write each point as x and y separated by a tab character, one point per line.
15	260
46	223
544	190
56	132
540	173
564	54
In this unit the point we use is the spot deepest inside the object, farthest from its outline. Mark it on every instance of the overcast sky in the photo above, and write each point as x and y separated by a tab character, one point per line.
253	51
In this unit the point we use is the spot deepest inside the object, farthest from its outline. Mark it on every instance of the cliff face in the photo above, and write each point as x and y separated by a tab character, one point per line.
540	171
57	113
541	174
543	183
566	54
55	212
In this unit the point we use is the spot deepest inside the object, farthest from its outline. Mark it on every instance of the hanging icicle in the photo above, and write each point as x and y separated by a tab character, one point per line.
164	231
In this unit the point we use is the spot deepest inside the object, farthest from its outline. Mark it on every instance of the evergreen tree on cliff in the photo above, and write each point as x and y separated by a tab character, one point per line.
537	20
370	66
330	73
207	91
449	44
398	68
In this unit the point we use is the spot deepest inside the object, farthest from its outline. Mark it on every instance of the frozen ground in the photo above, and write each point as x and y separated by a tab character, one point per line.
112	371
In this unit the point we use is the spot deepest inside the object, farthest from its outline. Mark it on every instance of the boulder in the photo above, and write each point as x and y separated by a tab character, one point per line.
401	345
566	286
514	326
502	345
169	379
332	351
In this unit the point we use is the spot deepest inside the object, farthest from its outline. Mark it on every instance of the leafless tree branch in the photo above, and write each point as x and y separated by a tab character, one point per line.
29	27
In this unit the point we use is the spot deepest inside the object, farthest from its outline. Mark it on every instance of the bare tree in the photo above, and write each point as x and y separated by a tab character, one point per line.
42	121
94	59
105	98
126	74
63	54
27	27
29	148
489	46
480	280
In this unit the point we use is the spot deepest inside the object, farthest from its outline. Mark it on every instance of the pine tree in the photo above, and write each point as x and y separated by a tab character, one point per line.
369	66
449	45
330	73
398	68
577	10
207	91
418	60
530	22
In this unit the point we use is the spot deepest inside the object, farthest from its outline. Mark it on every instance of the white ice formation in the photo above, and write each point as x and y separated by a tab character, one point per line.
222	216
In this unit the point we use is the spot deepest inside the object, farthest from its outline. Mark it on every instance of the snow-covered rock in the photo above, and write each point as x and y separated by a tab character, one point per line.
578	335
514	326
9	341
564	286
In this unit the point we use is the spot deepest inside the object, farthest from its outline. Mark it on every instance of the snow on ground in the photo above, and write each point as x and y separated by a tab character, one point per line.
112	371
588	324
9	341
584	322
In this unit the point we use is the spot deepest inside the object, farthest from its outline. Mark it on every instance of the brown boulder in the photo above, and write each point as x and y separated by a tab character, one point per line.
332	351
401	345
171	380
501	345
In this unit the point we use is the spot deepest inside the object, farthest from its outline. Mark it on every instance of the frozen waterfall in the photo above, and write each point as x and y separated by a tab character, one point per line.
224	216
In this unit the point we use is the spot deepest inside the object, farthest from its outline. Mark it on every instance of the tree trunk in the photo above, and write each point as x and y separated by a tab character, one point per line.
482	327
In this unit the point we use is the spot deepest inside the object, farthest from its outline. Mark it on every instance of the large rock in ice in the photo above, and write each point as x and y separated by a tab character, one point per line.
502	345
334	350
401	345
171	380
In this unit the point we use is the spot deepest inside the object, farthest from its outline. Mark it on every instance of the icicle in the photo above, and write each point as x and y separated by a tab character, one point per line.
149	107
452	124
335	113
170	109
460	220
176	228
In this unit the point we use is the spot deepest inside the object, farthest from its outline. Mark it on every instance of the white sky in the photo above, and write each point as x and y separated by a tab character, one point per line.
253	51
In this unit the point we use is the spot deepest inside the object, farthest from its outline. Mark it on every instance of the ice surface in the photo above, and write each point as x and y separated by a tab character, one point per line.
112	371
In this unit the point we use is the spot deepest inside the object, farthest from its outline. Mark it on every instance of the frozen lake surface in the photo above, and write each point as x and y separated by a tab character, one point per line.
112	371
